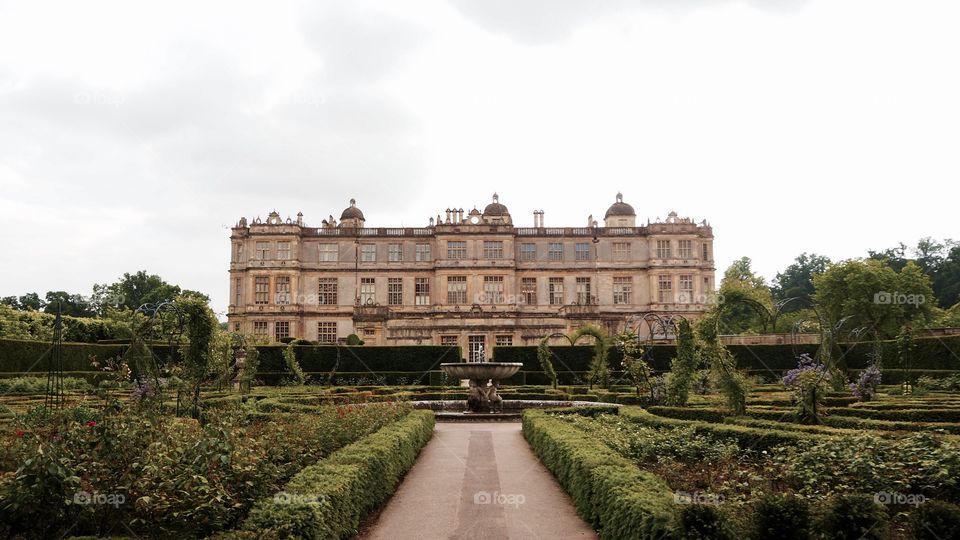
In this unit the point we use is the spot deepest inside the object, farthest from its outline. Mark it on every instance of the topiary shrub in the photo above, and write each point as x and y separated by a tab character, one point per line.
702	522
935	520
853	517
782	517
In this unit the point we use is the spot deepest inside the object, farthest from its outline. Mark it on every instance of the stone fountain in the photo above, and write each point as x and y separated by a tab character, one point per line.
484	380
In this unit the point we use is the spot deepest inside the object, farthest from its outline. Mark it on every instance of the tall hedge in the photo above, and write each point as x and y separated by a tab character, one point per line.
328	500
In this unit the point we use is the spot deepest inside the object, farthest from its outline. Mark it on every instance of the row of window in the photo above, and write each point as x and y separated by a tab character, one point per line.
327	333
456	293
492	249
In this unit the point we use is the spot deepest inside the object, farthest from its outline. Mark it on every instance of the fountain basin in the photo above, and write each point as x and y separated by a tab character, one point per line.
481	370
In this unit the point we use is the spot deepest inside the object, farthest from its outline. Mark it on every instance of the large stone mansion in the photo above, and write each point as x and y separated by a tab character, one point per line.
473	279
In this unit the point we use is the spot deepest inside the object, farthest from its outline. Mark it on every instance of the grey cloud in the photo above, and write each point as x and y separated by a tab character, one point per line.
536	22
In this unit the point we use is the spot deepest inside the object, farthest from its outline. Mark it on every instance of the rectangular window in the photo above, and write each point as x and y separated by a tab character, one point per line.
493	289
261	290
528	291
555	252
685	249
263	250
665	289
583	291
281	330
423	252
394	291
504	341
685	288
456	289
260	328
368	291
706	251
368	253
622	251
476	346
327	292
326	332
421	288
492	249
448	341
582	251
283	251
556	291
282	290
395	253
237	291
329	252
663	249
456	249
622	290
528	252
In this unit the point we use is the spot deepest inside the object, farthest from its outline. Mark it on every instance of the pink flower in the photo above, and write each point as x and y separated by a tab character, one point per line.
92	423
19	433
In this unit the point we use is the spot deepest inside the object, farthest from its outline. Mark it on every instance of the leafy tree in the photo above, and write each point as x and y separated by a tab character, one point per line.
796	281
745	300
74	305
27	302
870	295
946	280
895	258
134	290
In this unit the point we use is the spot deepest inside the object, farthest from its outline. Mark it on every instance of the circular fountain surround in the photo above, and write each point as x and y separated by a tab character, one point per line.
481	370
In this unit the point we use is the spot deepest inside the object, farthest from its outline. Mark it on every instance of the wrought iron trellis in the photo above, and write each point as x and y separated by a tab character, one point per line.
54	398
164	320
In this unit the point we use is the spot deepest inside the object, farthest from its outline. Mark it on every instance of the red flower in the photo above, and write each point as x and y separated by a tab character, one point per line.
19	433
92	423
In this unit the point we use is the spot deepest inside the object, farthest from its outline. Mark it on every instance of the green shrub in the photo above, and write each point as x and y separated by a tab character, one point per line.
619	499
782	517
853	517
328	500
702	522
935	520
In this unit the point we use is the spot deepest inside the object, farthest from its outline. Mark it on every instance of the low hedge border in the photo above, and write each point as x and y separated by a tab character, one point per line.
328	500
747	437
609	491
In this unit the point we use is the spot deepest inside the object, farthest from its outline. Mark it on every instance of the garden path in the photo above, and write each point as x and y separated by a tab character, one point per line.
478	481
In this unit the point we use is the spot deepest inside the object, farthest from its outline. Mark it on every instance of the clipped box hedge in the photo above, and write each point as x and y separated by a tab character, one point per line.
609	491
747	437
328	500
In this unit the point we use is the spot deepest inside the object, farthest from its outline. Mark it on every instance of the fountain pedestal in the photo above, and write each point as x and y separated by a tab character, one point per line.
484	380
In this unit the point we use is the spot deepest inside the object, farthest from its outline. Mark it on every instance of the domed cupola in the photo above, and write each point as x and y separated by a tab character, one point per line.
352	216
496	213
620	214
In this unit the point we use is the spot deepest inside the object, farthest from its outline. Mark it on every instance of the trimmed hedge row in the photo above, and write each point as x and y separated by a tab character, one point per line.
932	353
747	437
608	490
328	500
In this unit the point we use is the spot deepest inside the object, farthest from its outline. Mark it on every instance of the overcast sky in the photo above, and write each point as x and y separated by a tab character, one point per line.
132	136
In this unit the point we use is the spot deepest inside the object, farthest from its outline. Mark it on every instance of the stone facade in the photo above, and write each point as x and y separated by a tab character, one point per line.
473	279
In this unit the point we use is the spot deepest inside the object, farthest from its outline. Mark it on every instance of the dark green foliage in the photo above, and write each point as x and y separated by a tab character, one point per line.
546	364
619	499
935	520
328	500
702	522
683	367
782	517
853	517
